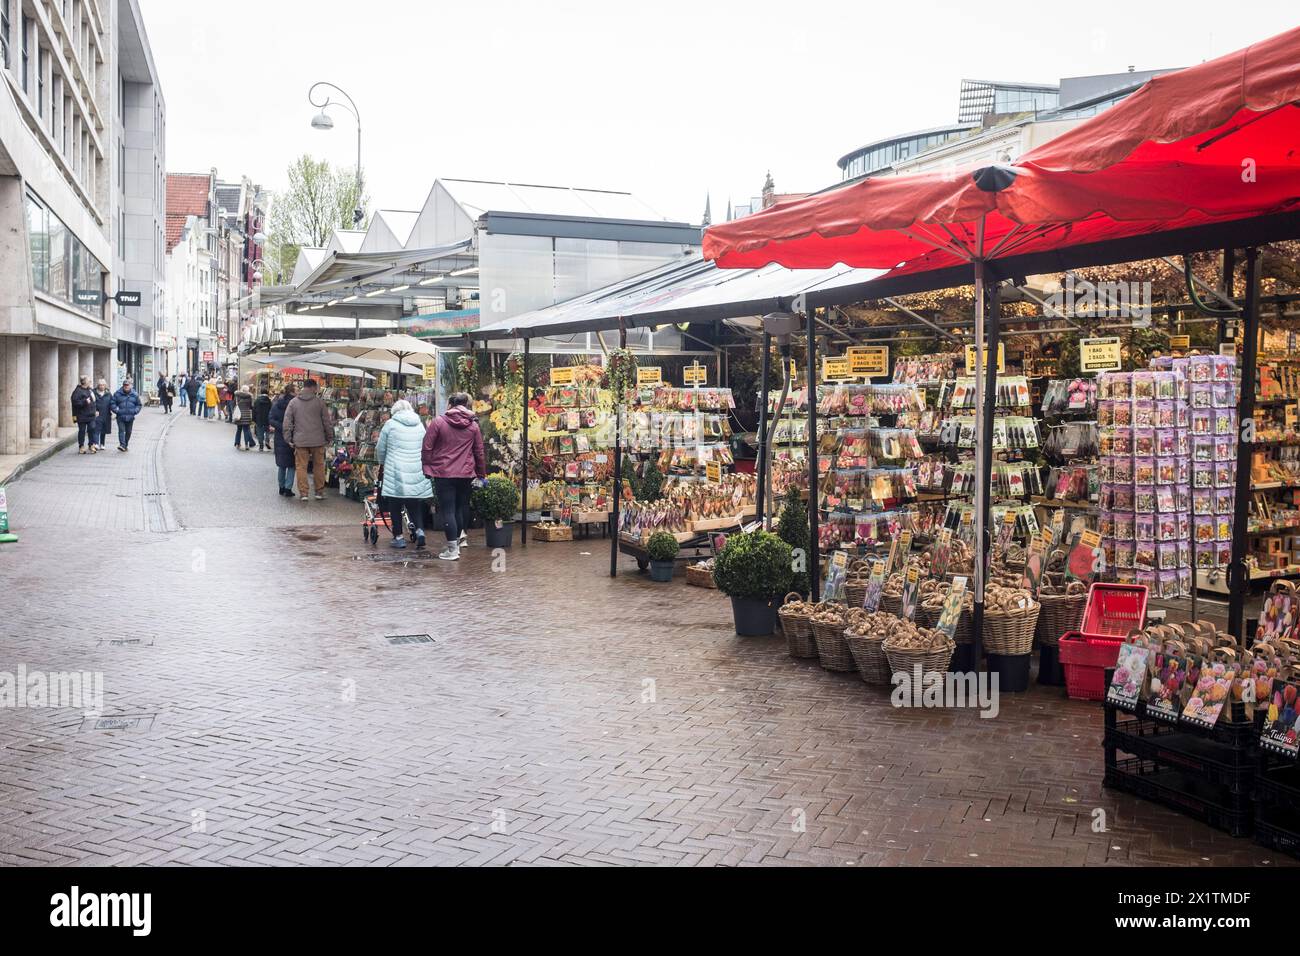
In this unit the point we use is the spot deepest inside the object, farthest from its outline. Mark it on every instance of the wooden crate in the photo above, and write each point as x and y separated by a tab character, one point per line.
700	577
552	534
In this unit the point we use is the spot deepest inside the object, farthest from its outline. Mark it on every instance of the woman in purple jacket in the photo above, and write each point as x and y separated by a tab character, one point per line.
452	456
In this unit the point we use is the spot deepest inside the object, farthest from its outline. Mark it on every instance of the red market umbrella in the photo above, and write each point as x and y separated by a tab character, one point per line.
1206	145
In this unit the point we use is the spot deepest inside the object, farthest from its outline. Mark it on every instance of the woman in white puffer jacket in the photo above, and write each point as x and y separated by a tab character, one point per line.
405	485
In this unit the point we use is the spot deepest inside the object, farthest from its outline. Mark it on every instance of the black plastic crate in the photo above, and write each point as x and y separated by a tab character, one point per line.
1218	763
1241	734
1278	836
1278	784
1207	802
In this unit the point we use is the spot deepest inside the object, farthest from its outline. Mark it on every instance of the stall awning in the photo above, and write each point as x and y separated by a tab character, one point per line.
690	290
1208	145
340	271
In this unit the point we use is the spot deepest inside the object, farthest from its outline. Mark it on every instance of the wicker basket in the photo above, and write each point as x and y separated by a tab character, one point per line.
1061	614
869	657
891	605
563	533
1010	633
855	591
700	577
798	631
832	649
904	660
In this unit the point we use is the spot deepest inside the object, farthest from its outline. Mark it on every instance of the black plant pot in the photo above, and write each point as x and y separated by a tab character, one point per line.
755	617
661	571
1050	671
963	659
499	536
1012	671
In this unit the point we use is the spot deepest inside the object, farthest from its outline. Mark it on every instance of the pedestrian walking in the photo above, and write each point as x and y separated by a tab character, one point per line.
242	416
211	395
227	400
284	463
83	410
192	393
405	485
261	417
452	455
165	394
307	428
125	405
103	413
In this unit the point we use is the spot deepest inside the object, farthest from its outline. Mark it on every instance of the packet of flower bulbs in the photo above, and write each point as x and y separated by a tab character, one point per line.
1281	731
1170	672
1129	680
1212	690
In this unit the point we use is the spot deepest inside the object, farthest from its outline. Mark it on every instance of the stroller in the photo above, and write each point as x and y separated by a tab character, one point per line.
378	513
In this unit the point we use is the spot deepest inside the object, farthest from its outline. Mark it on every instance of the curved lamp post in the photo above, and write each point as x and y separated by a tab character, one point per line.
322	120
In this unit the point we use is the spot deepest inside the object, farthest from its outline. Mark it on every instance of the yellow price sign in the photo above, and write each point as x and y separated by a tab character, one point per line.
695	374
431	372
562	375
1100	355
1181	342
1002	359
713	471
837	367
869	360
649	375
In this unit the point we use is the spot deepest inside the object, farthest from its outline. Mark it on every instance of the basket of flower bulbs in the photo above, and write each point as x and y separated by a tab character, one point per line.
1010	615
1063	605
906	646
865	636
828	622
933	594
796	620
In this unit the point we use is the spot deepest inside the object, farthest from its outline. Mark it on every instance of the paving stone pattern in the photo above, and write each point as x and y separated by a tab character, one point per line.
269	721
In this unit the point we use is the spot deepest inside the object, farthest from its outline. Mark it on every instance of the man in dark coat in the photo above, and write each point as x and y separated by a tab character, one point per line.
262	418
83	410
125	405
283	450
103	413
192	393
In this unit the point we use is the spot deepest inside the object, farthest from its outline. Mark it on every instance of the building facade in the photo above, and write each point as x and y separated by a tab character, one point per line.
191	248
62	104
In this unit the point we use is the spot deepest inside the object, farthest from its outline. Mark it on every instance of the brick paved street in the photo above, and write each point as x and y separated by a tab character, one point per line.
280	727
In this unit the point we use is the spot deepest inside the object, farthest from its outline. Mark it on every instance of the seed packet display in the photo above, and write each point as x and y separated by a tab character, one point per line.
1169	673
1034	561
835	574
911	583
875	585
1281	731
951	613
1128	683
1212	690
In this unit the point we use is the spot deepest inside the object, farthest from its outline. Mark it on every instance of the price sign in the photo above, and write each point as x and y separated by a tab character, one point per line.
970	359
1100	355
431	372
713	471
835	368
562	376
869	360
695	374
1180	342
649	375
1292	418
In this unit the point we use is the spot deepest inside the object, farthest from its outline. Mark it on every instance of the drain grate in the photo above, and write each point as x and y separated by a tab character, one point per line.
120	722
398	639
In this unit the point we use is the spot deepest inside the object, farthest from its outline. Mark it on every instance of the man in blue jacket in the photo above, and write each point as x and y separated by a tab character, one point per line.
125	405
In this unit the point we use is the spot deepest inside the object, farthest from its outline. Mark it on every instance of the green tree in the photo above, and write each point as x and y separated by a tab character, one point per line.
317	200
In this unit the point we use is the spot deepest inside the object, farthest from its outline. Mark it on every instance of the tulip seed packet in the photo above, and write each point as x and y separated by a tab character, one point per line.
1169	674
951	613
911	582
1281	733
835	574
1035	560
1213	689
1129	680
942	553
875	586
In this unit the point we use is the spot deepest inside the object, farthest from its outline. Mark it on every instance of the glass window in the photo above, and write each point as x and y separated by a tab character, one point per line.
5	24
26	26
58	258
38	241
74	265
42	57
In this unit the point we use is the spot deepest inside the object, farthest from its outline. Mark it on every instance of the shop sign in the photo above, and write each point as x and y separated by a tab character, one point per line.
124	297
1002	359
431	372
1180	342
1100	355
383	379
696	374
87	297
869	360
838	367
713	471
649	375
1228	348
209	356
562	375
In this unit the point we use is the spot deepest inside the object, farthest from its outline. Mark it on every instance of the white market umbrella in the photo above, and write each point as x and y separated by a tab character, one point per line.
324	368
398	347
337	361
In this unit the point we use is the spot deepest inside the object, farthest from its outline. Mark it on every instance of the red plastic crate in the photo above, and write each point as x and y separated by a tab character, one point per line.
1085	659
1113	610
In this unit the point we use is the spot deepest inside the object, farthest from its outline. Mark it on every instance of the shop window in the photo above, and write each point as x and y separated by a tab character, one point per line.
38	242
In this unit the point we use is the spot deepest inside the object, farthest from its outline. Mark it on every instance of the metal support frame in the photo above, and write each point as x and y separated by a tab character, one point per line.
986	372
814	553
1229	273
1239	573
923	320
766	371
618	465
523	458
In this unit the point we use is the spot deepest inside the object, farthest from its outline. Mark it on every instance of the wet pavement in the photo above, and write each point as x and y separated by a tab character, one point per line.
532	710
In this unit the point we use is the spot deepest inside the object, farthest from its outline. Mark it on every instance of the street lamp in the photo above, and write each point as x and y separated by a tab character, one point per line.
322	120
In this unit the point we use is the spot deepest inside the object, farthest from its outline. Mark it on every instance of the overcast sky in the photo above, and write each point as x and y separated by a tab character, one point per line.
667	100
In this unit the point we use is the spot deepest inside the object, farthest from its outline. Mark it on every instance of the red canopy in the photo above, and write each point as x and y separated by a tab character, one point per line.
1209	144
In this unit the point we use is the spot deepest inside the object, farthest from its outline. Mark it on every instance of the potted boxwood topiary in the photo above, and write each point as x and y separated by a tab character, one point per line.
496	503
754	570
663	548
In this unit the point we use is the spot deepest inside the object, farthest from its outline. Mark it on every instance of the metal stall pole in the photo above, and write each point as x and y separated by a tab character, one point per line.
1239	574
766	370
618	465
1229	270
814	554
983	455
523	458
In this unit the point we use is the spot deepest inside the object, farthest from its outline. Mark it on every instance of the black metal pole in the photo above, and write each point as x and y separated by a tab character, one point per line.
523	458
984	450
1239	573
1229	270
618	466
814	556
766	367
